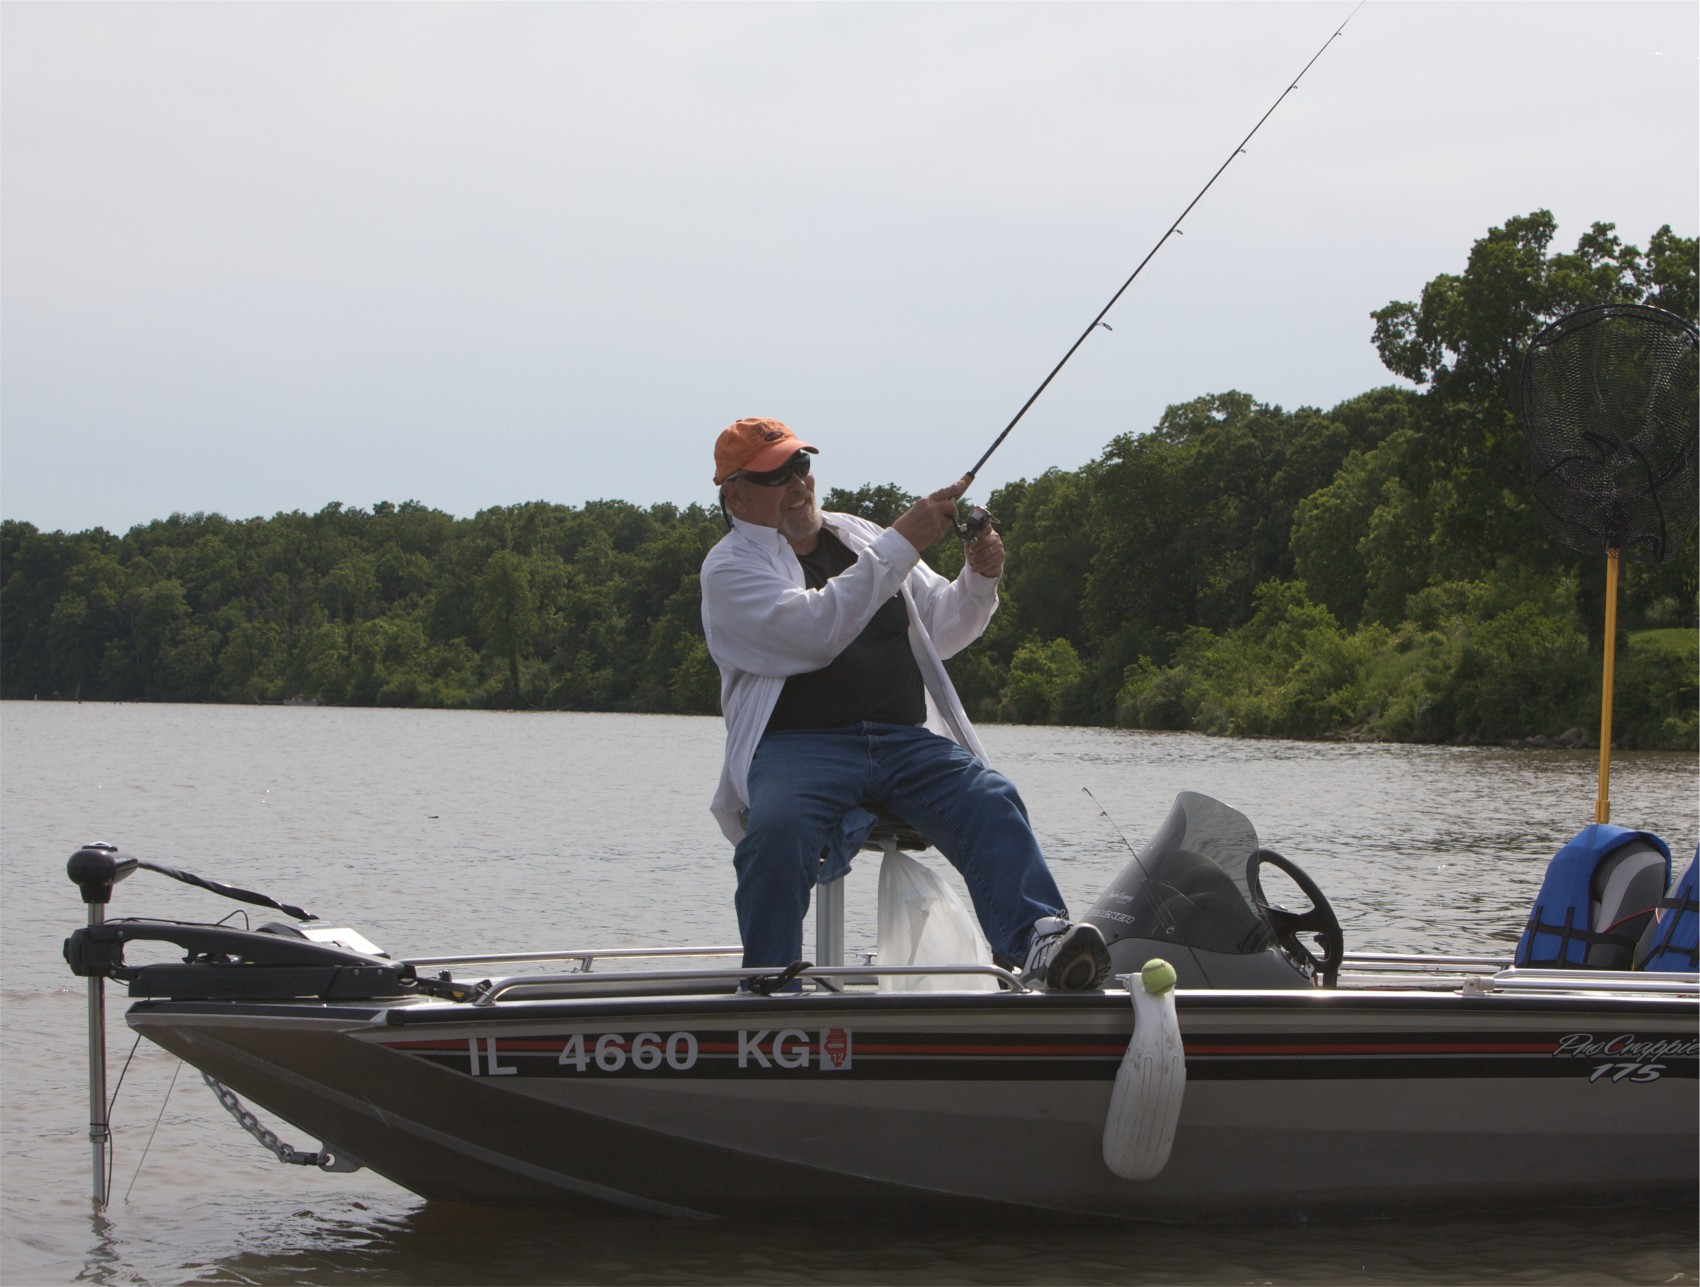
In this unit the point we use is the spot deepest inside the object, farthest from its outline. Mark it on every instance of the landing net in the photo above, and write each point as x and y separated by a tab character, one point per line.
1610	409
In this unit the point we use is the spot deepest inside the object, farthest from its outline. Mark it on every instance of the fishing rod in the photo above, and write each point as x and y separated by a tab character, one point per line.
1174	230
1162	904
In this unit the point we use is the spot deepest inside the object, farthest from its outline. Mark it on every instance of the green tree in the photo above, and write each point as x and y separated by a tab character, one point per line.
1464	340
877	502
507	614
1047	520
1041	683
251	666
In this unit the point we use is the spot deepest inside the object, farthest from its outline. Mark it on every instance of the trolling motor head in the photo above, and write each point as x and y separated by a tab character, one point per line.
96	868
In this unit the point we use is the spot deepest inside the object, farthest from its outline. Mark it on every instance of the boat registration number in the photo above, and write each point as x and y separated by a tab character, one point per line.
644	1051
829	1050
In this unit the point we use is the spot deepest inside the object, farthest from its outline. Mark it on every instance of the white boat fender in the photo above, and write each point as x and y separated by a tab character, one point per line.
1146	1104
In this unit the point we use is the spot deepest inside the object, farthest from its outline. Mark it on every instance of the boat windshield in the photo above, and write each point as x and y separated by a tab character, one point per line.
1188	885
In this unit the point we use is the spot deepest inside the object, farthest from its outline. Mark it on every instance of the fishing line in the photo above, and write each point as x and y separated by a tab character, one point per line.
1174	230
155	1131
111	1104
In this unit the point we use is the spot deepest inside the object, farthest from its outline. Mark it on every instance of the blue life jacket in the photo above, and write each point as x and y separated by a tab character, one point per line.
1673	943
1598	897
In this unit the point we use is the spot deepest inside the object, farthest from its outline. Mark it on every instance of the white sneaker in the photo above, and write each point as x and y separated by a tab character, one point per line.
1066	957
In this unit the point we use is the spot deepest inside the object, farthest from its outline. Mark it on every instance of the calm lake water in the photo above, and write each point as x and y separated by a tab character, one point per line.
440	832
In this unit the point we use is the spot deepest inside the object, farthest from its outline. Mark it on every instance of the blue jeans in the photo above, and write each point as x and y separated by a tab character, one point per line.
809	789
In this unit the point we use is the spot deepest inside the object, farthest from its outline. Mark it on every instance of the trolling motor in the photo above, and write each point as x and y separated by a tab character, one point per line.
95	869
277	961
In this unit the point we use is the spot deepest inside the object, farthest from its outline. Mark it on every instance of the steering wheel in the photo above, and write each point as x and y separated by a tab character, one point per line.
1319	920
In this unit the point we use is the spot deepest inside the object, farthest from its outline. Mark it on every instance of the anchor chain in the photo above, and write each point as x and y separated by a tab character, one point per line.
283	1152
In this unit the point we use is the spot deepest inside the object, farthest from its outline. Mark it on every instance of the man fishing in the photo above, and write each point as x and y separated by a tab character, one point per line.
830	634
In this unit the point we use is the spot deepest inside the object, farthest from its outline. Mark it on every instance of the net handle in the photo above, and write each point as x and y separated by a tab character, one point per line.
1602	802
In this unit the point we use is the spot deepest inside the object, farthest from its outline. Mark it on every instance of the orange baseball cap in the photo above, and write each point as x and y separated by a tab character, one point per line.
755	443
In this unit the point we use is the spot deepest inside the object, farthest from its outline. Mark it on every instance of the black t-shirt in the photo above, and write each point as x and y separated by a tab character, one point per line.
874	679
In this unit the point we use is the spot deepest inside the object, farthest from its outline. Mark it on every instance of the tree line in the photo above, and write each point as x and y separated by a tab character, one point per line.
1374	570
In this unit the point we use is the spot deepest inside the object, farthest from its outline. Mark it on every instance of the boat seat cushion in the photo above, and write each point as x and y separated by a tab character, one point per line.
1597	898
1672	940
888	827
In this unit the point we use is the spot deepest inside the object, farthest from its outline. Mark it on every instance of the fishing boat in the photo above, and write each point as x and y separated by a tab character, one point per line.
1240	1065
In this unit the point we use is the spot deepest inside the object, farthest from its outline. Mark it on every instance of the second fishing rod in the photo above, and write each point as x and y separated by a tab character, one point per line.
977	517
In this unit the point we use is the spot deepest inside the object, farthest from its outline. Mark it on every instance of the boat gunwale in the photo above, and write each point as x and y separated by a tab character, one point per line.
1199	1004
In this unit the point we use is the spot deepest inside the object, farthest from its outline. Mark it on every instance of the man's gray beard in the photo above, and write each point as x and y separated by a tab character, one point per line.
799	525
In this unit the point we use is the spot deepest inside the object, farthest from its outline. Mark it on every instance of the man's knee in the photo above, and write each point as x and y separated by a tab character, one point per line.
994	797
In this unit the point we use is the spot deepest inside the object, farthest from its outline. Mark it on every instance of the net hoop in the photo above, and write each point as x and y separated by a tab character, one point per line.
1610	410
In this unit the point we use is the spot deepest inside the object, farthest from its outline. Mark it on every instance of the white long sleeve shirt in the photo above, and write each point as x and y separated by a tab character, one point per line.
763	623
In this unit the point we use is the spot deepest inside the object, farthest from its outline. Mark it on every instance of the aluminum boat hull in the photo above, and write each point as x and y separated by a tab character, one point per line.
1296	1102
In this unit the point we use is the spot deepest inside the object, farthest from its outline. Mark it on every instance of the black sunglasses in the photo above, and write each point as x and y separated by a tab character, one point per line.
798	465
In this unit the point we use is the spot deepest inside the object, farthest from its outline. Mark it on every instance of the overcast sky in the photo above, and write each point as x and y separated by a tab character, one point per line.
262	257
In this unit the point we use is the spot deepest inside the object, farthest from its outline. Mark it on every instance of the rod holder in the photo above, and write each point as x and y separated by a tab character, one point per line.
1602	801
